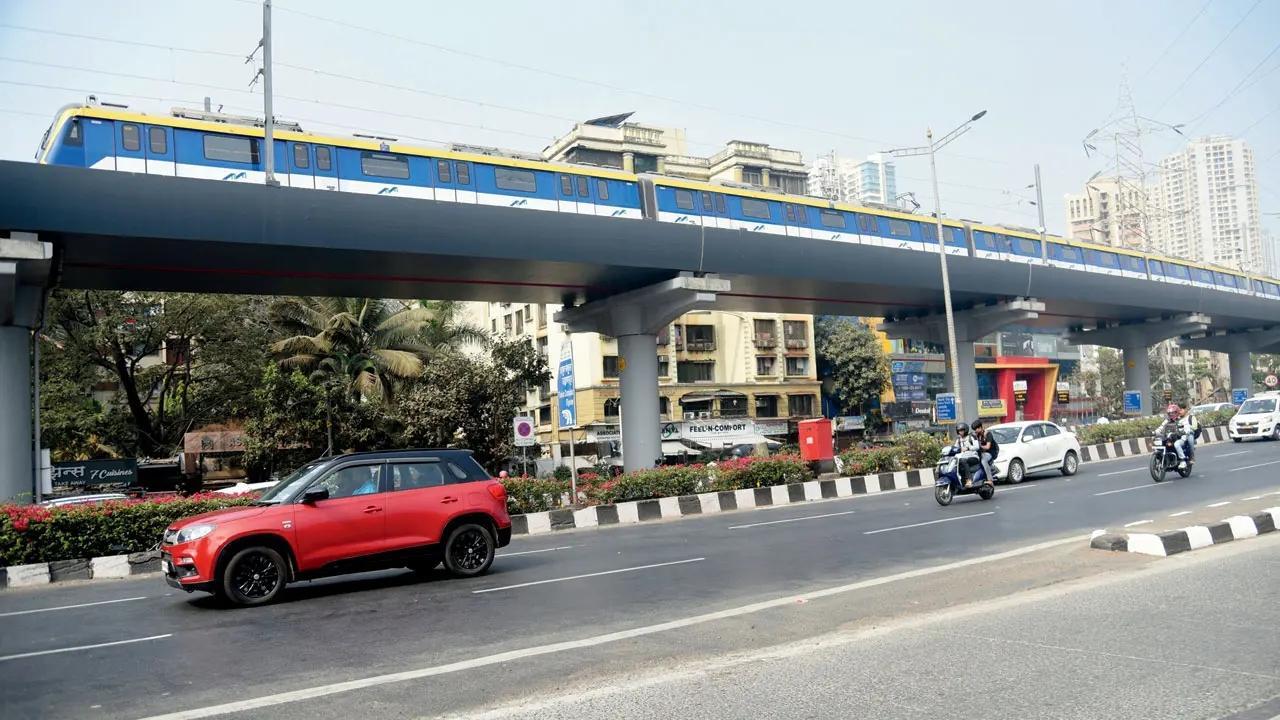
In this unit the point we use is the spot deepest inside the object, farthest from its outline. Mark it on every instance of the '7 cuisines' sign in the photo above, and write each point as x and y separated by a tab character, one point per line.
95	472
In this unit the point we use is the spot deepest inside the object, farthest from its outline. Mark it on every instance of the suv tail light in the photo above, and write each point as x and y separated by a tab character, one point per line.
498	491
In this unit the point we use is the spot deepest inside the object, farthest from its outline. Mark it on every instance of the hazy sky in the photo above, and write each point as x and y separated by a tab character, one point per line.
815	76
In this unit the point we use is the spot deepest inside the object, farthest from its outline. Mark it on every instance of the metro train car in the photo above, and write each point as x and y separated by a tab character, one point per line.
214	146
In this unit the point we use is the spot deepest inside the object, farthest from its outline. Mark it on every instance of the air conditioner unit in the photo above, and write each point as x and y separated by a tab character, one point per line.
690	416
704	416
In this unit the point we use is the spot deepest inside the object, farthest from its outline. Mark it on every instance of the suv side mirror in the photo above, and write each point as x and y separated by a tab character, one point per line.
314	494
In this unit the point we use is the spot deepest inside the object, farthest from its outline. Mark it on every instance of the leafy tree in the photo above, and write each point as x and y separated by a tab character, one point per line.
176	361
1106	384
1265	364
365	346
850	355
447	328
1168	374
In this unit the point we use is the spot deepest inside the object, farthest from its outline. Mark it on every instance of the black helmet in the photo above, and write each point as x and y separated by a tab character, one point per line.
962	429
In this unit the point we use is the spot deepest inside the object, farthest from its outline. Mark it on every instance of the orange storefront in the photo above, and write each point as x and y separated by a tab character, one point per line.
1041	376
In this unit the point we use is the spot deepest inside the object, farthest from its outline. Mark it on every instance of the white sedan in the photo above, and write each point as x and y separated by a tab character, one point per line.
1034	446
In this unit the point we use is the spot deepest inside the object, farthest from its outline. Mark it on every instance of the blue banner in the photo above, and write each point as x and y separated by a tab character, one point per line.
1239	395
1132	402
565	389
946	407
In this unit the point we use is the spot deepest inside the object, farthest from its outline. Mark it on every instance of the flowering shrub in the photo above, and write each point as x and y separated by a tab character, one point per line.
754	472
869	461
528	494
33	534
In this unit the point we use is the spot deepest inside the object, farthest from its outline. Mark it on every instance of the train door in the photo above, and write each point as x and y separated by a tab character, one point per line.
324	167
453	181
566	195
99	143
130	156
301	174
160	151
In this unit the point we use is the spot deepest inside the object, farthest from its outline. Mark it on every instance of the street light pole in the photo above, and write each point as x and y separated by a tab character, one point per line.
1044	251
268	120
931	149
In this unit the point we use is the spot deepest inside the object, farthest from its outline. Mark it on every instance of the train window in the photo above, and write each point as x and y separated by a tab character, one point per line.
301	160
791	212
464	173
157	140
801	216
522	180
899	228
1030	248
706	201
957	237
720	206
684	199
1157	267
583	189
384	165
130	137
442	169
832	219
324	158
74	136
1174	270
227	148
867	223
1133	263
566	186
755	208
1204	276
929	231
602	190
1109	260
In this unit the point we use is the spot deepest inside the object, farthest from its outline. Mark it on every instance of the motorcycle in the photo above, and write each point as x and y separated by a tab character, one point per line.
950	472
1164	457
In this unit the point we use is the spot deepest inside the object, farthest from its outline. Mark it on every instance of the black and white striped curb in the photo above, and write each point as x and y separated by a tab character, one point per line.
112	567
1142	446
667	508
1195	537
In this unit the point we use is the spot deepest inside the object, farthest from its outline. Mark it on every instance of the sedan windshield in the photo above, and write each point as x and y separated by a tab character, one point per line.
1258	405
288	487
1004	435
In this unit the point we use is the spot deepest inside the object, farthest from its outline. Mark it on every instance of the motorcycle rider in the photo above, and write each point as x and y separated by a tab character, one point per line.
964	443
1193	423
1178	426
988	449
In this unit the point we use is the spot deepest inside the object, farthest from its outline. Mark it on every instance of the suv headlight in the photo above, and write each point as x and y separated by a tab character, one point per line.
193	532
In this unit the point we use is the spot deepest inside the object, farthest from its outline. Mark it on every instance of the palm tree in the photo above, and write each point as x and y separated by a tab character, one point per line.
448	329
366	346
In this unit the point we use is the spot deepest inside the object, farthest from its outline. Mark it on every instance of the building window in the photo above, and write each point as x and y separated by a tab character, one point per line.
611	366
159	142
692	372
521	180
384	165
544	415
684	199
664	367
766	406
733	407
796	333
800	405
700	338
797	366
664	405
765	337
528	313
519	324
506	323
755	208
612	407
752	177
766	364
664	336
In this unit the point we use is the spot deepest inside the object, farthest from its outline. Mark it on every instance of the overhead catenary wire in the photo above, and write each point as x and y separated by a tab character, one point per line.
1210	54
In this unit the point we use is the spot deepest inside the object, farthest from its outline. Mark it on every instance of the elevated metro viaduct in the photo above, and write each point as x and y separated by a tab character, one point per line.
111	230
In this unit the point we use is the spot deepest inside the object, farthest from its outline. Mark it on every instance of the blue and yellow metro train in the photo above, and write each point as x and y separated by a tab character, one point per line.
204	145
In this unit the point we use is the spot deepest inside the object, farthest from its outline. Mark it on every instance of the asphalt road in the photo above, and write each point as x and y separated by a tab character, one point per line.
162	652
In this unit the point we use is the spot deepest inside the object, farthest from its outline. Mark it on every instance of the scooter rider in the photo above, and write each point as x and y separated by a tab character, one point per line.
965	442
988	450
1177	425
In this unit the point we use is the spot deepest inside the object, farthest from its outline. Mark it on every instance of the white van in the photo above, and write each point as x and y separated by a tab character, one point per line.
1258	417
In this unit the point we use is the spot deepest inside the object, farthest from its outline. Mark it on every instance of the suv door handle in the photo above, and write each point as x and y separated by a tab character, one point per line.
373	509
448	499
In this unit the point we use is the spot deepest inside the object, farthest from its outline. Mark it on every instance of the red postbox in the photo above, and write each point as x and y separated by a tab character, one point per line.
815	440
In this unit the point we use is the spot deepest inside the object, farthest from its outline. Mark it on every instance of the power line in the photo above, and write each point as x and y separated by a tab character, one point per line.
1240	86
44	86
1221	42
1255	123
1177	38
135	43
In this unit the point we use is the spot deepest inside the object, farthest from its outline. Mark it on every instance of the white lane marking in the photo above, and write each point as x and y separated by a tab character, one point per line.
1220	504
70	607
1121	472
586	575
83	647
1136	523
1180	514
531	552
593	641
1250	467
790	520
1018	487
1242	452
931	522
1135	487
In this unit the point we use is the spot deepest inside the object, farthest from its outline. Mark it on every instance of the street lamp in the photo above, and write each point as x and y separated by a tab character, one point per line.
931	148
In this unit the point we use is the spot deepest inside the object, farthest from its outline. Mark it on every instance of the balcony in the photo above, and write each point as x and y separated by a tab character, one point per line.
797	343
642	135
766	341
700	346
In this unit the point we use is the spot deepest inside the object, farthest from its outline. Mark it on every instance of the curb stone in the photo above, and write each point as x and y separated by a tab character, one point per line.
1237	527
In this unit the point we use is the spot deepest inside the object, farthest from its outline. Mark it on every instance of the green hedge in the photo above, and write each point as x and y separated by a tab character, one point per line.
35	534
907	452
1141	427
527	494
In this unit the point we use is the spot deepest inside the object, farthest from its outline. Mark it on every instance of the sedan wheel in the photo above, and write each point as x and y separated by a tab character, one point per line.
1017	471
1070	464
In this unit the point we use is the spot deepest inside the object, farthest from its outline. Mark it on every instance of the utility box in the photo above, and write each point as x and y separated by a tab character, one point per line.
815	440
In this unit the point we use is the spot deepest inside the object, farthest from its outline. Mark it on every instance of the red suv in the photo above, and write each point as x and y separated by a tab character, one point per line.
363	511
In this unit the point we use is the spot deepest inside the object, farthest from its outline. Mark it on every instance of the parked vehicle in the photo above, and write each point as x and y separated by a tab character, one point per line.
1034	446
1164	457
84	499
1207	408
362	511
1258	417
954	468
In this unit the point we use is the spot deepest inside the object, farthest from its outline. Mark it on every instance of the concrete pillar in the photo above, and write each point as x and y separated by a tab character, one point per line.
1240	361
968	410
15	415
638	385
1137	374
628	162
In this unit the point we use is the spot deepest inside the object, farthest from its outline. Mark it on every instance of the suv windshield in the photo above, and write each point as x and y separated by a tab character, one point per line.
1258	405
288	487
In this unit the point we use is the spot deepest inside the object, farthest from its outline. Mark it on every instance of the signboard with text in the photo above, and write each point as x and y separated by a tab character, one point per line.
524	431
993	407
1239	395
1132	402
565	388
946	405
95	472
848	423
1020	391
1064	393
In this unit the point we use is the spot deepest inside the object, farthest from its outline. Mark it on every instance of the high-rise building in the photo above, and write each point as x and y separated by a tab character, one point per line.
1102	214
1205	205
871	181
1270	253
